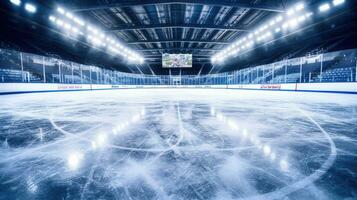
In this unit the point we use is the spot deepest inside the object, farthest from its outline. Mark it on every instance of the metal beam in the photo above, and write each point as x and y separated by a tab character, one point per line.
178	49
163	26
160	55
194	62
231	3
155	59
167	41
194	57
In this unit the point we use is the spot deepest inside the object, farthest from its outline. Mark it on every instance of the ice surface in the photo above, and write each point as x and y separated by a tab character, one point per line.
178	144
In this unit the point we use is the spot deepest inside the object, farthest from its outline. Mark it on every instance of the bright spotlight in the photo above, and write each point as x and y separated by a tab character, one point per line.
96	41
220	59
308	14
16	2
61	10
301	18
69	15
141	60
213	59
67	26
338	2
293	23
279	18
131	59
59	22
271	23
290	12
324	7
299	7
95	31
30	8
75	30
285	25
78	21
52	18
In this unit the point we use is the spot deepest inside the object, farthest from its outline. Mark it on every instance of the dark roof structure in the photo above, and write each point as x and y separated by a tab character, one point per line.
153	27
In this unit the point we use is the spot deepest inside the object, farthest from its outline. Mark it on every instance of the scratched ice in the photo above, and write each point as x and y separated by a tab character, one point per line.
178	144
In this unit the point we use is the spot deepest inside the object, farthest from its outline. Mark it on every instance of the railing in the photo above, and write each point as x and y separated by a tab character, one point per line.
18	67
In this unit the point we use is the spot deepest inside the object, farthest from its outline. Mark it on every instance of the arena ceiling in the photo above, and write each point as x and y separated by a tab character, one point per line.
153	27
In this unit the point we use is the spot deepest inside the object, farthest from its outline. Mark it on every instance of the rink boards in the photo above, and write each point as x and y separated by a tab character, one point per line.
13	88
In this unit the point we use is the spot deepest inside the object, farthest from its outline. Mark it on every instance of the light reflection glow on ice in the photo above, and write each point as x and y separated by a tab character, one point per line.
177	144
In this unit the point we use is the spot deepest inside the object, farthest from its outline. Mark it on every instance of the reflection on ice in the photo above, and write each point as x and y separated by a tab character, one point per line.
101	140
74	160
177	144
284	165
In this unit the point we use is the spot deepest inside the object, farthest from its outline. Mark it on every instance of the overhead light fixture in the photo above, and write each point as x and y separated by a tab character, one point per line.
299	7
96	37
67	26
264	32
293	23
16	2
141	60
338	2
285	25
78	21
59	22
290	12
52	18
69	15
308	14
301	18
30	8
271	23
75	30
324	7
61	10
279	18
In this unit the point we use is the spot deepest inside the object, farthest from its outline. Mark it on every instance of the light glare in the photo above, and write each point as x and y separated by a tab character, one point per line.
67	26
78	21
30	8
16	2
290	12
338	2
74	160
52	18
324	7
69	15
59	22
279	18
299	7
61	10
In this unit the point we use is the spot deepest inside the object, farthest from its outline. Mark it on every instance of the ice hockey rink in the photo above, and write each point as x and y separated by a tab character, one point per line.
178	144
